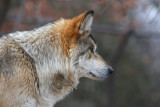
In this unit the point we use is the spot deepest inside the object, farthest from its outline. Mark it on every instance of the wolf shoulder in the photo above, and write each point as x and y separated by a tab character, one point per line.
11	53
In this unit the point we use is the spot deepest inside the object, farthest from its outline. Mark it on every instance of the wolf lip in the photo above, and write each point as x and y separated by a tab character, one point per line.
99	77
92	74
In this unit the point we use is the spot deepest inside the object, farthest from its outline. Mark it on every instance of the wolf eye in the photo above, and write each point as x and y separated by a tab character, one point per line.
83	52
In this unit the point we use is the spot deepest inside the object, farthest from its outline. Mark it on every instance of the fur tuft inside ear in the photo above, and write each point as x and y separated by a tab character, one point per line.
87	22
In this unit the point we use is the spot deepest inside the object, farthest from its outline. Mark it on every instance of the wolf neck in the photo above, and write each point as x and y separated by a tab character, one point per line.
53	69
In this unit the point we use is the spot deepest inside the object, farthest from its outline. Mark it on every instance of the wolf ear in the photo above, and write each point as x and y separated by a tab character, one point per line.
86	23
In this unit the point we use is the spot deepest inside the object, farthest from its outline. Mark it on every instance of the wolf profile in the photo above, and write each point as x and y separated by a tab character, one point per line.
41	66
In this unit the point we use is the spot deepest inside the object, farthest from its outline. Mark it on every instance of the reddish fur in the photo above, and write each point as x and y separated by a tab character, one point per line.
70	33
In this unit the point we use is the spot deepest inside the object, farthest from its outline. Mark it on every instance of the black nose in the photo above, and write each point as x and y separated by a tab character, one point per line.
110	70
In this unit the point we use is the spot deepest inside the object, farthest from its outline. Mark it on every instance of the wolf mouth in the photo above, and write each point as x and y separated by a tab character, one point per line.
99	77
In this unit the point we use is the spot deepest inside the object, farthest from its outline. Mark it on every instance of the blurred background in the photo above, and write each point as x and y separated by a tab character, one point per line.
128	38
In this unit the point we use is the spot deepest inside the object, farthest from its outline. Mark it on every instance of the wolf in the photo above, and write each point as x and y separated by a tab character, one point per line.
40	67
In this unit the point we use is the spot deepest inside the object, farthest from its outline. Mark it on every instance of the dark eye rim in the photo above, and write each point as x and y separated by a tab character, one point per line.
83	52
89	49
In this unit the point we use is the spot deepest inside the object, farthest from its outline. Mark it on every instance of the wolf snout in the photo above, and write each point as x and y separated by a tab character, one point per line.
110	70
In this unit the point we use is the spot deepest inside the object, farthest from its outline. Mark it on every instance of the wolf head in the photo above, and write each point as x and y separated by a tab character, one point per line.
79	46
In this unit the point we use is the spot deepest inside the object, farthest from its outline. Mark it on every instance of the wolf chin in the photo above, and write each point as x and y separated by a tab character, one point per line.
41	66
